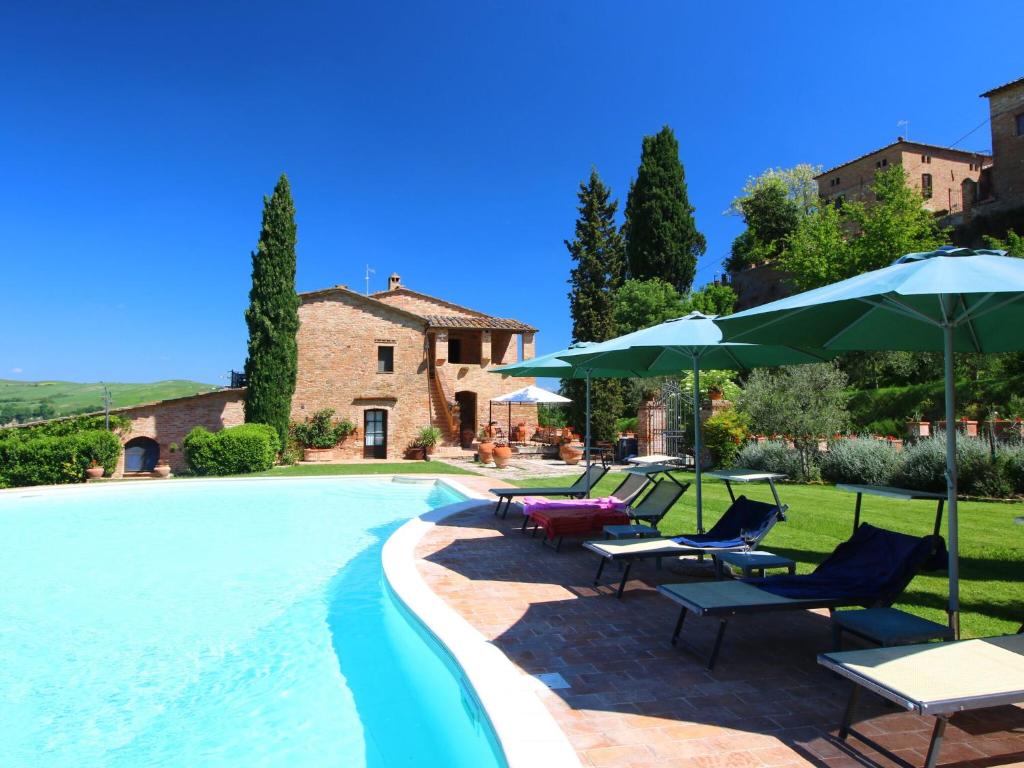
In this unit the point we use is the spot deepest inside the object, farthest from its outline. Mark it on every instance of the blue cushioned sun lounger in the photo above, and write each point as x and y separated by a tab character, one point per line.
870	569
740	529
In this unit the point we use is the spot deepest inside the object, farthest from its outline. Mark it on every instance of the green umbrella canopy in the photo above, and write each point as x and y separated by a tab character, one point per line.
677	345
552	366
688	343
904	306
952	299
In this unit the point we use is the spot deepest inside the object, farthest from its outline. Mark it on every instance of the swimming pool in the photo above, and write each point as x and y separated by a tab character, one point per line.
234	622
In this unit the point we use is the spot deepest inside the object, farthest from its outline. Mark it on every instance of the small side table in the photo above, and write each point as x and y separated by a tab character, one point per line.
631	531
749	562
886	626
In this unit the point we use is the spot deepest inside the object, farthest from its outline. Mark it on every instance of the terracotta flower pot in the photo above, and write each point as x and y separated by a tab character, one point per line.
318	454
416	453
919	428
486	452
502	455
163	469
93	472
715	394
571	454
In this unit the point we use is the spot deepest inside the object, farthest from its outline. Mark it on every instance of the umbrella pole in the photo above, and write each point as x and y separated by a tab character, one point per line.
951	478
697	450
586	437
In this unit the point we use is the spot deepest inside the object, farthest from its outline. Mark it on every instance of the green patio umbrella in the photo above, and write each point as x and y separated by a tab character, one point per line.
552	366
692	342
952	299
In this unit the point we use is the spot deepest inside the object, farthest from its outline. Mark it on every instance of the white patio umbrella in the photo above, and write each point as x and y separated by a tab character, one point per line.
530	395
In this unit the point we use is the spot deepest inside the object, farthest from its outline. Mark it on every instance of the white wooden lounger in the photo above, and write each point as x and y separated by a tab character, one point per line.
937	679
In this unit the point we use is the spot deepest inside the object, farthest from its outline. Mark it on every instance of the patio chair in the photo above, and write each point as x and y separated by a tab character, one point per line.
570	516
745	523
577	490
870	569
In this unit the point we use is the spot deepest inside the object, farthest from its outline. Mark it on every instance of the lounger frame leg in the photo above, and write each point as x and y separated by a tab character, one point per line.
679	625
851	706
600	570
936	743
625	578
719	636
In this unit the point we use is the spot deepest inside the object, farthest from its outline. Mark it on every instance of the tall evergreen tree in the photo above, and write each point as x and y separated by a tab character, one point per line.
661	235
273	316
597	254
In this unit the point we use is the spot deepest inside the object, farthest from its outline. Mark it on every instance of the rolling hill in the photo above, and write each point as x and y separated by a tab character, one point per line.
28	400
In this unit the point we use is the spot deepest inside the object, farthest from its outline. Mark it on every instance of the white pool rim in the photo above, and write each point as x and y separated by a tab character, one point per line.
526	731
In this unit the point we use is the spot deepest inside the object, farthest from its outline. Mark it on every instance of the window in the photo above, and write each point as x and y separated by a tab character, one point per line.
926	158
455	350
1020	124
385	359
926	185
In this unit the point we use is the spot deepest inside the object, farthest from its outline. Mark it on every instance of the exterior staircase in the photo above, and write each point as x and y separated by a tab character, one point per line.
444	407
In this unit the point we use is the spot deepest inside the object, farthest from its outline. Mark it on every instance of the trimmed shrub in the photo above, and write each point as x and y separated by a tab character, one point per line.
233	451
319	431
861	460
1011	457
777	456
924	467
62	427
724	433
53	460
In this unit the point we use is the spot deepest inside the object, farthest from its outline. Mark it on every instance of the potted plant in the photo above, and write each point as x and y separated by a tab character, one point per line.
427	440
467	438
916	427
95	470
570	452
485	451
320	434
163	467
502	454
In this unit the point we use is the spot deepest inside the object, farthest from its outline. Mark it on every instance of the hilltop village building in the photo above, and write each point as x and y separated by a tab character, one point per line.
392	362
959	186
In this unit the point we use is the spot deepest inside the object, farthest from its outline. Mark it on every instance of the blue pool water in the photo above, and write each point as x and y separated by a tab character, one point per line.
229	623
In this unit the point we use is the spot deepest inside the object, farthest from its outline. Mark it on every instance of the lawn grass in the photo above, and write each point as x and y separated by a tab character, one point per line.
819	517
384	468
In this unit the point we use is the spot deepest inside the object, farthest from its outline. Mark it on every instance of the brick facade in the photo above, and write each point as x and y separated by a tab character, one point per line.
339	335
951	171
168	421
1006	110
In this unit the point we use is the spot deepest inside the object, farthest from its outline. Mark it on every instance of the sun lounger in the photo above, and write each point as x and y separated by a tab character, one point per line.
740	529
577	490
937	679
562	517
871	569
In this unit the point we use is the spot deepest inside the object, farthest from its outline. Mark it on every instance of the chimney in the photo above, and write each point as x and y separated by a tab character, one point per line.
394	281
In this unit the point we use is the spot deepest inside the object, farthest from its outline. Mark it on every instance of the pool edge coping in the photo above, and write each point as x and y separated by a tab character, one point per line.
528	734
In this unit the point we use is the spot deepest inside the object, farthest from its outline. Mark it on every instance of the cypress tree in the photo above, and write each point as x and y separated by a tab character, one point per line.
661	235
273	316
597	254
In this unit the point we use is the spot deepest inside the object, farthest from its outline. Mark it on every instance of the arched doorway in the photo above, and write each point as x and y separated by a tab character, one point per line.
467	417
141	454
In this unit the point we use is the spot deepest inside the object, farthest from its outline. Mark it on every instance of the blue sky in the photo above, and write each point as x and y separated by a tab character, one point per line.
442	141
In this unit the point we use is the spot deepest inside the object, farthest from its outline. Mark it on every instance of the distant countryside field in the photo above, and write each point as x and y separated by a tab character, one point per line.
28	400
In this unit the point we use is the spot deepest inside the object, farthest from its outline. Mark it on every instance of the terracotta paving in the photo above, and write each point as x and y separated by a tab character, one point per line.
636	701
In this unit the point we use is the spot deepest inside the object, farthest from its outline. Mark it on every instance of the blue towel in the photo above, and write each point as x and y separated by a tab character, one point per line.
745	521
873	566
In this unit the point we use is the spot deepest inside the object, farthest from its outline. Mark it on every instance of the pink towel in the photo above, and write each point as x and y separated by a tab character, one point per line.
540	504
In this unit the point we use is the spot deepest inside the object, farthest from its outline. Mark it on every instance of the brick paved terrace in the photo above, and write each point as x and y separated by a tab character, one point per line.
636	701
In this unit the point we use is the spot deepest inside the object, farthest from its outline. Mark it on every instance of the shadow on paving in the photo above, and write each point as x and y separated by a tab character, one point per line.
616	657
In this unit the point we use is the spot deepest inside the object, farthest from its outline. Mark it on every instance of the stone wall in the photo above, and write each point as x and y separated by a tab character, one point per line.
168	421
1007	146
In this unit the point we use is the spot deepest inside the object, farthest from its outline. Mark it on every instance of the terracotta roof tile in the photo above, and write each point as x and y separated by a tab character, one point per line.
478	323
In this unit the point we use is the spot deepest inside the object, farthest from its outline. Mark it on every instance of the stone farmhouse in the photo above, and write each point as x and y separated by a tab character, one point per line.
392	362
397	361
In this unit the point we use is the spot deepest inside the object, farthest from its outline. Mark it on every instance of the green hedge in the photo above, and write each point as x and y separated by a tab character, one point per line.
58	459
232	451
68	426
